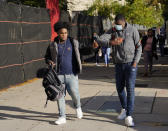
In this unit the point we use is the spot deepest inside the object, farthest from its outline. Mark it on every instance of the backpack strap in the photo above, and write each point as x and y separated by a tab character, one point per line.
46	103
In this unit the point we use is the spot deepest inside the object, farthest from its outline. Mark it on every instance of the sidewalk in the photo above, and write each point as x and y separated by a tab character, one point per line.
22	107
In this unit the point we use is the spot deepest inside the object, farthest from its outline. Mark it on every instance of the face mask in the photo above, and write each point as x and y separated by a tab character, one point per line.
118	27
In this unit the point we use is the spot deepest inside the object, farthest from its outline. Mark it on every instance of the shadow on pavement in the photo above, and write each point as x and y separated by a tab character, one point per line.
103	74
97	108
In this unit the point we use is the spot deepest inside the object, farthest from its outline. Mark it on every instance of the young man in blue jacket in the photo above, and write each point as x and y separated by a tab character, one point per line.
63	55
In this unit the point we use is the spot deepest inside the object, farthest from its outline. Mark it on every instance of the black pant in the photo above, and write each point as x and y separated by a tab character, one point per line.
97	57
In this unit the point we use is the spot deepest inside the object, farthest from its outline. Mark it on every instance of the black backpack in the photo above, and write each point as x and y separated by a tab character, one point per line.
54	89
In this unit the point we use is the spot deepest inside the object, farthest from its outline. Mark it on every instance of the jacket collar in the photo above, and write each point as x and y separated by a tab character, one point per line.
57	39
127	25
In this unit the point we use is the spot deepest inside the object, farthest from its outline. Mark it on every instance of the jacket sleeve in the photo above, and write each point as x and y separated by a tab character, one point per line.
77	43
76	47
104	39
138	46
48	55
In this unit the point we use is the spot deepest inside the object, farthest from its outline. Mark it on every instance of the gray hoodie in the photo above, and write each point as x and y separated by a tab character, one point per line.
129	50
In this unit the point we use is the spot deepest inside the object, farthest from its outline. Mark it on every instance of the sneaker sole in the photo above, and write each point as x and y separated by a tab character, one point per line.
121	118
128	125
80	117
60	123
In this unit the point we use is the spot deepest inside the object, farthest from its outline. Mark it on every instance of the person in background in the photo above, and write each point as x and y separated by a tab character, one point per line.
149	43
126	53
63	55
145	33
161	40
97	52
106	52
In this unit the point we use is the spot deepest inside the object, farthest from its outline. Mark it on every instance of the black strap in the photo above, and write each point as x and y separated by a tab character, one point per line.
46	103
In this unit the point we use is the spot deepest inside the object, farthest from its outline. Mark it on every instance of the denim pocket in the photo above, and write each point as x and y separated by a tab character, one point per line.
133	69
75	77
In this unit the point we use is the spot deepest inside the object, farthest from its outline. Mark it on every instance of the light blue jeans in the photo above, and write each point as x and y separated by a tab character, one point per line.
71	86
107	55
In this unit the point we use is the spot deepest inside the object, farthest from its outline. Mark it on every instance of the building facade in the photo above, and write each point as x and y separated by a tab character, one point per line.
81	5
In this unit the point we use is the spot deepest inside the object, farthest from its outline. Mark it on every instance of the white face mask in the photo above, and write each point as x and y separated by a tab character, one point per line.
118	27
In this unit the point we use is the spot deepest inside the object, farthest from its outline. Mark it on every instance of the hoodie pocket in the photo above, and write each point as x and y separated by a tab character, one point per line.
130	52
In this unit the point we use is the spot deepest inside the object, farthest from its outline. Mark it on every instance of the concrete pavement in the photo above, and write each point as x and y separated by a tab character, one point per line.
22	107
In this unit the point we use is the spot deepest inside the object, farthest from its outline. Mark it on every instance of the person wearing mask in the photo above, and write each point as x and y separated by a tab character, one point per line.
149	43
126	53
63	55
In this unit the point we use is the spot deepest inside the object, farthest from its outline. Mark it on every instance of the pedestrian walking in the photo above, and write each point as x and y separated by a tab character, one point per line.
149	43
106	53
161	40
63	55
98	52
126	53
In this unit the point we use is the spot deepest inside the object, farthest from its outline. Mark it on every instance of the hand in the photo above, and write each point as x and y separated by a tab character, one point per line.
51	63
95	44
116	41
134	64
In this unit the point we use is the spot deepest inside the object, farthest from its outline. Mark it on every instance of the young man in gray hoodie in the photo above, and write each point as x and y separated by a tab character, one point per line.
126	53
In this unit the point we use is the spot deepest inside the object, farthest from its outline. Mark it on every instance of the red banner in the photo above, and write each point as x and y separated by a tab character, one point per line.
53	6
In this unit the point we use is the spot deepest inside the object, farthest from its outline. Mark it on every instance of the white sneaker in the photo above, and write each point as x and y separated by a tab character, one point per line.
79	113
122	115
61	120
129	121
97	64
